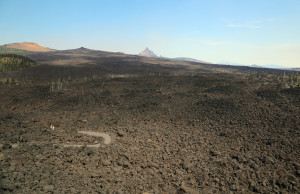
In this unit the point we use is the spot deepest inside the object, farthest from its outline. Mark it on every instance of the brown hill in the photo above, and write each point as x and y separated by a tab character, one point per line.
28	46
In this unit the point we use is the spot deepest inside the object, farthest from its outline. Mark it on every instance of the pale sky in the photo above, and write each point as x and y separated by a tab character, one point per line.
245	32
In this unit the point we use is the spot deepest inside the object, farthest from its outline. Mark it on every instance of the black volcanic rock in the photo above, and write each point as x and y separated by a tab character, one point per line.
170	134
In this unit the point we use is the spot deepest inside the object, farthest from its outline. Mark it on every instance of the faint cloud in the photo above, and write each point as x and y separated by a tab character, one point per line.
212	43
197	31
255	24
251	26
263	21
286	46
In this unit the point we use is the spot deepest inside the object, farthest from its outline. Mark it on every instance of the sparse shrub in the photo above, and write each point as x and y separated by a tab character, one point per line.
291	78
56	86
59	84
296	79
13	81
26	79
52	86
70	79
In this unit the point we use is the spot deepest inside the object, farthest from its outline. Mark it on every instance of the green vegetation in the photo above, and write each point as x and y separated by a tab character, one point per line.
5	50
12	62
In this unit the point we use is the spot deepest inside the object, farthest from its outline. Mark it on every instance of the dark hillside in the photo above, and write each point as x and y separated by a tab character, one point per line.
82	62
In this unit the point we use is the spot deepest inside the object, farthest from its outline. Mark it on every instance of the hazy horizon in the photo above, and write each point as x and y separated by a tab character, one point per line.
249	32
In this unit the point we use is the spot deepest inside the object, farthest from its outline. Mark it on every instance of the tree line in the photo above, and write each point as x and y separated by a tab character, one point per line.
12	62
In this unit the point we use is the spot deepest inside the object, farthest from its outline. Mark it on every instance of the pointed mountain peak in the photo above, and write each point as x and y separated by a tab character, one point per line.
147	53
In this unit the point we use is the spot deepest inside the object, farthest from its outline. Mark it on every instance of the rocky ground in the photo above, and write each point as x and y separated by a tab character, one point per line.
211	133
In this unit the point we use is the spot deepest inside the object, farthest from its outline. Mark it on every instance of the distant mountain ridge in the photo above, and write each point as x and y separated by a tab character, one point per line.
26	46
148	53
189	60
81	62
268	66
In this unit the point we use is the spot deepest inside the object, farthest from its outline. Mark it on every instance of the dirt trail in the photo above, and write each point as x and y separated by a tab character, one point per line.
78	146
106	137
